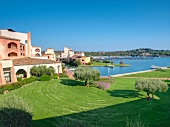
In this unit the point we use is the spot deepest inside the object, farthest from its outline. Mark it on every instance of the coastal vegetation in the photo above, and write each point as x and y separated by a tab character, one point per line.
108	102
9	87
15	112
41	70
66	102
86	74
103	83
133	53
94	62
100	63
150	86
74	63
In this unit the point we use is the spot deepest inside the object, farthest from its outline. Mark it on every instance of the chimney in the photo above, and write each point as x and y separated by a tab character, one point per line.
29	44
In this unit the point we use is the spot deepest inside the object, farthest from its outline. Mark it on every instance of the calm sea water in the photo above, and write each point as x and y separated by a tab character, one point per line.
135	65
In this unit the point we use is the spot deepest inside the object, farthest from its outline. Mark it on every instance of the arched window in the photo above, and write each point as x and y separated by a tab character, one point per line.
38	55
12	45
12	54
37	50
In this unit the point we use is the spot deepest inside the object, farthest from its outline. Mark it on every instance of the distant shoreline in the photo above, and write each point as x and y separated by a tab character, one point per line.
119	75
116	65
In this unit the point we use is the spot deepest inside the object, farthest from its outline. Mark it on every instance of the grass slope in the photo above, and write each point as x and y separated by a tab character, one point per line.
153	74
56	100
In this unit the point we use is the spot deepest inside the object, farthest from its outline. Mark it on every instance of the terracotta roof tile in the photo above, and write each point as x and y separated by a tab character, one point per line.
32	61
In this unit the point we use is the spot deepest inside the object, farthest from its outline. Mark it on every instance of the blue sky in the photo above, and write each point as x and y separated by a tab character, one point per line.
90	25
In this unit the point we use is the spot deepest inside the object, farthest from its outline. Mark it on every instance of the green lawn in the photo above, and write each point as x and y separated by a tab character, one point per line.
154	74
57	100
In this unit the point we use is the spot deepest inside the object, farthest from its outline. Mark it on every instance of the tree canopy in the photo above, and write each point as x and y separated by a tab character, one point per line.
151	86
86	74
40	70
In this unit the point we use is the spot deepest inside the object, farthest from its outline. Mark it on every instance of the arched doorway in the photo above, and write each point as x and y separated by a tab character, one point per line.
21	73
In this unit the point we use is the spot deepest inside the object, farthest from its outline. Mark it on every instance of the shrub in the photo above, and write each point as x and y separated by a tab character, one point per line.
45	78
1	90
93	84
29	80
8	87
32	79
50	71
63	75
89	63
12	86
41	70
55	76
110	80
17	85
19	79
103	85
160	69
23	82
136	123
106	61
15	112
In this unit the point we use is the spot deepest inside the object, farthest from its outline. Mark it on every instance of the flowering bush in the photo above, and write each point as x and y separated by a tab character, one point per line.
103	85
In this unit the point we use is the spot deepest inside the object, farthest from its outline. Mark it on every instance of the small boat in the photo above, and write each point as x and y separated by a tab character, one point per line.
110	66
157	67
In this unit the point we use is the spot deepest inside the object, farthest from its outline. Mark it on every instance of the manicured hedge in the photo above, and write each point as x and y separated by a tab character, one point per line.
17	85
45	78
19	79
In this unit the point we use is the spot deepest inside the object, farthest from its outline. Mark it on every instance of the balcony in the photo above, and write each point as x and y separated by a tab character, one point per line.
12	45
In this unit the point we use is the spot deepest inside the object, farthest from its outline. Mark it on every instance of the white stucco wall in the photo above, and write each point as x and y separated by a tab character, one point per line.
49	51
33	50
6	63
71	53
24	67
28	67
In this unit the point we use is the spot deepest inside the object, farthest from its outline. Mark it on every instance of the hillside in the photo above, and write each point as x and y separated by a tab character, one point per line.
134	52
